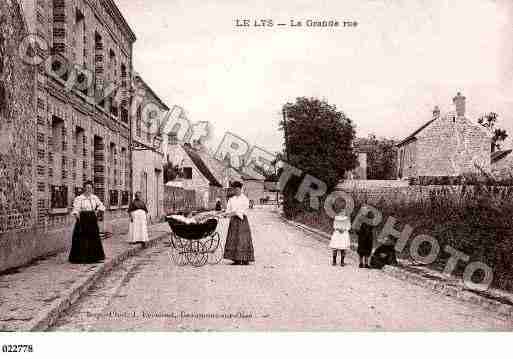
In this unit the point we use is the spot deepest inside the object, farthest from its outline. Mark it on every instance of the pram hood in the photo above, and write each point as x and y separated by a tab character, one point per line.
192	230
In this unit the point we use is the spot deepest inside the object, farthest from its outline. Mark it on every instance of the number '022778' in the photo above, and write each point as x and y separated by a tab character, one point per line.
8	348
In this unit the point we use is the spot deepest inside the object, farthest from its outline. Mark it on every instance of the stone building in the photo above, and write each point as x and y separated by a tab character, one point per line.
83	62
18	213
449	145
148	156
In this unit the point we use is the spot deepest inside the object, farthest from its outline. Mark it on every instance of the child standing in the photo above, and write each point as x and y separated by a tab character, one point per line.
340	240
365	244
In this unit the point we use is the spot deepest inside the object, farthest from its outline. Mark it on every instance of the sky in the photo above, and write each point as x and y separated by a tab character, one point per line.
386	74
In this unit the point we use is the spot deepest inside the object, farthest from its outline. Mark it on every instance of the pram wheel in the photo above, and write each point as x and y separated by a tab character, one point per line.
178	257
177	251
196	254
212	242
214	248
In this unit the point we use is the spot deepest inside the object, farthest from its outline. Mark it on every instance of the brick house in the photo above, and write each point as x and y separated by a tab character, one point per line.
449	145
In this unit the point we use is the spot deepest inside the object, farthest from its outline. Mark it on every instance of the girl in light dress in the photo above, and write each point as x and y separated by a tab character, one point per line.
340	239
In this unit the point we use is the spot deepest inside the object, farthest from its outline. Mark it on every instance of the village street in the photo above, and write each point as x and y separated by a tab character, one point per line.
292	286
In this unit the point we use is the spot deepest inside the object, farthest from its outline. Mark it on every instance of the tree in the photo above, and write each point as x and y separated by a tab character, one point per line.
381	157
489	121
318	141
272	173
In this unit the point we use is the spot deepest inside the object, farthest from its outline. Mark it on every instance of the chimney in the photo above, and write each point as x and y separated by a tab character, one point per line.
459	102
436	112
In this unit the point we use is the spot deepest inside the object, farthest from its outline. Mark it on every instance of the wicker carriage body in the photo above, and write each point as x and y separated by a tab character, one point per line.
195	243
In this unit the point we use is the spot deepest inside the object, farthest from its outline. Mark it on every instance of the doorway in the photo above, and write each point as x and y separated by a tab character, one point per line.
158	185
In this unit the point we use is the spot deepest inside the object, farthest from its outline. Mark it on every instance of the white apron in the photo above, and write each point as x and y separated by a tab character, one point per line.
138	229
340	239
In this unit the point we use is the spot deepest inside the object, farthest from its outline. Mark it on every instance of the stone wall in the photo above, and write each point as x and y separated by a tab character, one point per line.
17	142
17	125
350	184
415	194
373	196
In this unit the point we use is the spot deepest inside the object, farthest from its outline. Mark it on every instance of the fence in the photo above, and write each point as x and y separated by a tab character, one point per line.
178	200
215	193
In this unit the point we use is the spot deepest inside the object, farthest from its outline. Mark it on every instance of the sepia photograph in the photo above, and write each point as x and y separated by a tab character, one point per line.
227	166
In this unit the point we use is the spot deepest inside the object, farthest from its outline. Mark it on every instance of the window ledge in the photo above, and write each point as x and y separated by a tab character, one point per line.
113	208
59	211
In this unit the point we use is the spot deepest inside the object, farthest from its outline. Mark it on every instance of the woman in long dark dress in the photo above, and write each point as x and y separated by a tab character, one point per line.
86	244
239	243
365	244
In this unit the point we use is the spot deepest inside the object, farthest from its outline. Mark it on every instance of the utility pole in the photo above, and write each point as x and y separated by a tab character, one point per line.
131	142
285	132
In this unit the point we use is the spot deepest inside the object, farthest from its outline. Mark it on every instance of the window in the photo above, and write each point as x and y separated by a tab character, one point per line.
114	198
124	198
187	172
172	138
57	132
123	166
112	166
124	115
78	141
59	197
138	122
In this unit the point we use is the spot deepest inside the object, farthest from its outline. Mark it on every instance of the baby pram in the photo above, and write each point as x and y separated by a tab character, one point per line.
195	243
